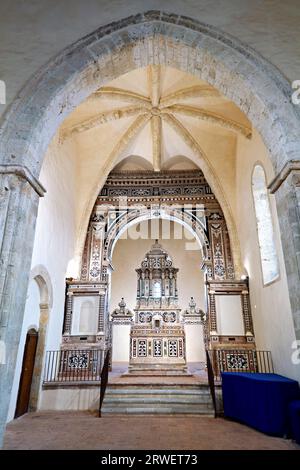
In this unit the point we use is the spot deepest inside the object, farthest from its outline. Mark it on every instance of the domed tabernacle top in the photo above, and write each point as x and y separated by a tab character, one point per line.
157	276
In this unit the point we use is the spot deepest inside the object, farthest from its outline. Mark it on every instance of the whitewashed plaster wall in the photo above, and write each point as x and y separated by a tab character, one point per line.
31	320
195	348
273	324
121	343
55	232
128	255
53	247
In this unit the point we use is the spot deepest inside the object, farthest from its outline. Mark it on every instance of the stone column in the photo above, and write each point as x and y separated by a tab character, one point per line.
286	187
150	283
142	284
171	284
138	289
19	196
163	284
175	284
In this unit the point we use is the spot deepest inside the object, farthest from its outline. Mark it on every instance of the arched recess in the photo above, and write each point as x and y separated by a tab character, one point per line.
167	213
183	196
155	37
127	254
41	276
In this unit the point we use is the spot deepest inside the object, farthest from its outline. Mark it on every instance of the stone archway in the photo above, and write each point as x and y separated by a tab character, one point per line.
166	213
184	197
151	38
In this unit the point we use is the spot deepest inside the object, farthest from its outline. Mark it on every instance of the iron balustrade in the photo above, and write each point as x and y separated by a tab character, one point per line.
240	360
104	378
73	365
211	381
234	360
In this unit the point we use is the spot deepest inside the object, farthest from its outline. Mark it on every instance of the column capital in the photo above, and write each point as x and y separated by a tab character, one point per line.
290	167
24	173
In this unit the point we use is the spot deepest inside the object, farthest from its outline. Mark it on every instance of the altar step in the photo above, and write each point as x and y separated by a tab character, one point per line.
161	371
157	399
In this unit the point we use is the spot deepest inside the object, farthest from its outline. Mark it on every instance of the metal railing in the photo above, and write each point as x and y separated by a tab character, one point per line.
104	378
73	365
211	381
240	360
234	360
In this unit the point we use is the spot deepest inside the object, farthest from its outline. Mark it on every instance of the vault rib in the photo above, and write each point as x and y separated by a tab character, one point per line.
154	84
103	118
197	91
156	142
121	94
211	117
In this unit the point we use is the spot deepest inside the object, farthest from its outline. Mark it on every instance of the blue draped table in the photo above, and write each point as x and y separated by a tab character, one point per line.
259	400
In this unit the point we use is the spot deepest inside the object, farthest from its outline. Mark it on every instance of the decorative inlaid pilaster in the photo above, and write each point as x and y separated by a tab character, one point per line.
68	314
212	313
85	264
101	314
247	317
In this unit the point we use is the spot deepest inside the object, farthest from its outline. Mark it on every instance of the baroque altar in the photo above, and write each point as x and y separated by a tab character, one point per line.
157	337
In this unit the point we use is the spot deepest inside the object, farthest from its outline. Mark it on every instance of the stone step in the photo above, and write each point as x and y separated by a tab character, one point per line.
154	391
153	400
156	386
157	399
142	410
158	373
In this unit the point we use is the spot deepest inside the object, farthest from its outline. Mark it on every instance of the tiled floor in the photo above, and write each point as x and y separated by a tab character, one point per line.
62	430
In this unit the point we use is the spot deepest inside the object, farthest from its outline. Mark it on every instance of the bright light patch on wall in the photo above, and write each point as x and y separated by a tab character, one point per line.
265	231
73	267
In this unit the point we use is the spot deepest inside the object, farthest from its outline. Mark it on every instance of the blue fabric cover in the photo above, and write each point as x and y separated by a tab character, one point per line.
294	412
259	400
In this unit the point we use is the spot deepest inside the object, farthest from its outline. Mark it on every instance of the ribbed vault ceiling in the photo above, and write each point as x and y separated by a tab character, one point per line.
157	113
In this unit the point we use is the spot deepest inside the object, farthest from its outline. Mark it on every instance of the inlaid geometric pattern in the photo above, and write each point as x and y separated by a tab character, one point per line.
157	348
142	348
173	349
